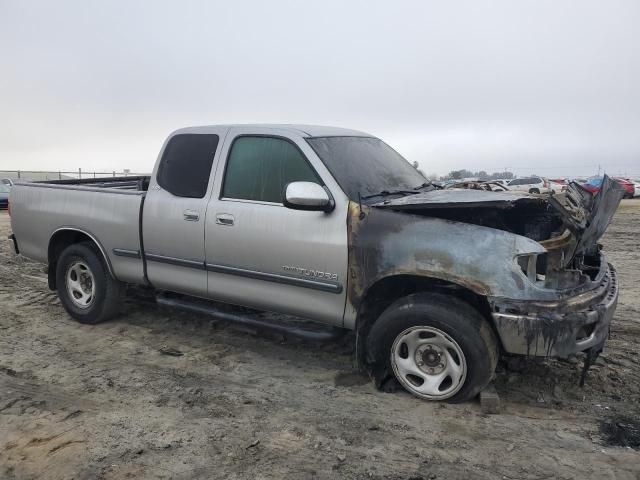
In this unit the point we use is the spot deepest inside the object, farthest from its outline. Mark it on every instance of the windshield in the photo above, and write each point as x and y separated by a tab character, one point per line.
4	188
365	165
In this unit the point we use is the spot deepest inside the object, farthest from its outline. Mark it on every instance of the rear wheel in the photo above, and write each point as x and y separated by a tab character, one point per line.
85	288
534	190
438	347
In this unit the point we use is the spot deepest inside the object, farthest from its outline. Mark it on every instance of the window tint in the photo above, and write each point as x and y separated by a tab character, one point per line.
186	164
259	168
516	182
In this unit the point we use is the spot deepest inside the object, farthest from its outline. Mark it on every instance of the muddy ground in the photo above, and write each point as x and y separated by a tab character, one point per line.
105	401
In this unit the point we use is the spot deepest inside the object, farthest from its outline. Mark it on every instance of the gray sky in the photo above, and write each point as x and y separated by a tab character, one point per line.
550	87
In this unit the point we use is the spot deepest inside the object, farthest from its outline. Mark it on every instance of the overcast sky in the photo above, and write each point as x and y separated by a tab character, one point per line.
550	87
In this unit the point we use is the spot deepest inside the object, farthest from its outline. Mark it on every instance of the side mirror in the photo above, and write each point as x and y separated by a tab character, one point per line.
307	196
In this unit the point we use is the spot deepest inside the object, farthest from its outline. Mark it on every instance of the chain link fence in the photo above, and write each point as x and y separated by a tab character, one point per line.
36	175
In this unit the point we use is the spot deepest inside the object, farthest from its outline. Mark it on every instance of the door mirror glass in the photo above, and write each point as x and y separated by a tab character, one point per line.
307	196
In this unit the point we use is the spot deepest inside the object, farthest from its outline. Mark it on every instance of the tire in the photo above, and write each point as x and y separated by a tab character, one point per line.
452	335
86	289
534	190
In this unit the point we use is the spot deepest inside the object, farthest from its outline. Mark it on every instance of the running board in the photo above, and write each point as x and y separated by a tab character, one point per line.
321	334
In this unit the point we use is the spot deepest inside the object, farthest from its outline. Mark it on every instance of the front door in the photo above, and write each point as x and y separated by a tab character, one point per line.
263	255
175	210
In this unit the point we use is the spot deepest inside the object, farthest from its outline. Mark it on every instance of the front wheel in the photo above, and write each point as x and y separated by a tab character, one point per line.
85	288
437	347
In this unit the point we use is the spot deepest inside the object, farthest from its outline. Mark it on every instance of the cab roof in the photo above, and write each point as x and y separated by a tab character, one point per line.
298	129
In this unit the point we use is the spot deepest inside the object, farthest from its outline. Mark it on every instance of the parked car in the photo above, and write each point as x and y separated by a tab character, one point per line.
502	181
4	195
594	185
7	181
489	186
530	184
557	185
334	226
636	187
628	185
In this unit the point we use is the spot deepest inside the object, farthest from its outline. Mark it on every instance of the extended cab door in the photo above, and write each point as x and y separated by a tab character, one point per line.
263	255
173	220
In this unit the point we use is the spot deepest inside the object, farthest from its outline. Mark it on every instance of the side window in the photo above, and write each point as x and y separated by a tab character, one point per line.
515	182
258	168
186	164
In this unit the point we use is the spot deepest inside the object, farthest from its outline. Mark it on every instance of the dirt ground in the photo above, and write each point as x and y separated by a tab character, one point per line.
104	401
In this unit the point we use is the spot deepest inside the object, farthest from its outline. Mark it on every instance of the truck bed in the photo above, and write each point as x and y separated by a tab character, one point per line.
107	210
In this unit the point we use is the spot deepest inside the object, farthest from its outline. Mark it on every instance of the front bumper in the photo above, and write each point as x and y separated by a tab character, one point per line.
558	328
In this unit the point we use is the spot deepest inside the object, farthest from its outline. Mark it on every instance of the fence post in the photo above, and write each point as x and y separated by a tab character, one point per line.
18	174
59	175
79	173
114	174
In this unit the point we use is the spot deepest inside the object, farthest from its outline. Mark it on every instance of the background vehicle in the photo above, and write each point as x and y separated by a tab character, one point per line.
594	185
7	181
334	226
502	181
489	186
557	185
628	185
4	195
530	184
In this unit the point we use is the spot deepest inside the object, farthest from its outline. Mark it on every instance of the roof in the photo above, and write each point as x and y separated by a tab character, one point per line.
303	130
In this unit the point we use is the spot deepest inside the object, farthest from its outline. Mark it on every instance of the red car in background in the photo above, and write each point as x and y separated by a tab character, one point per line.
628	186
593	185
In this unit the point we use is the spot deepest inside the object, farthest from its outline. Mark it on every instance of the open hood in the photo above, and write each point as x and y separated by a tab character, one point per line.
585	214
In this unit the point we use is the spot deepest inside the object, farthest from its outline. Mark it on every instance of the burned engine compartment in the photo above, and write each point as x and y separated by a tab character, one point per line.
556	222
534	219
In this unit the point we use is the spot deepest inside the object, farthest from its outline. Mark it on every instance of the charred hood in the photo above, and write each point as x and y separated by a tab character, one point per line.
539	217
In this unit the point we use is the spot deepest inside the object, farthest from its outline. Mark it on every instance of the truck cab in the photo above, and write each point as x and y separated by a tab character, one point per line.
215	224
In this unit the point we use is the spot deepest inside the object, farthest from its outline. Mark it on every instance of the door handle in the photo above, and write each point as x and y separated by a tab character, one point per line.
224	219
191	215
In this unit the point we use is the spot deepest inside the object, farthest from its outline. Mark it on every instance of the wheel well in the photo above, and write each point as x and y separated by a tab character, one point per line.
387	290
61	240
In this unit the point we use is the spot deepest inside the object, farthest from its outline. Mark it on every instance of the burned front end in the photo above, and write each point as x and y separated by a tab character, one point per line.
573	268
535	258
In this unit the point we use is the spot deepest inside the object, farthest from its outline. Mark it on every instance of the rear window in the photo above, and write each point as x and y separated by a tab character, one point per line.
186	164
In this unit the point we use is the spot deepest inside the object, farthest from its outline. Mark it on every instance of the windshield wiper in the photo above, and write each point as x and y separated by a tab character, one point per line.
386	193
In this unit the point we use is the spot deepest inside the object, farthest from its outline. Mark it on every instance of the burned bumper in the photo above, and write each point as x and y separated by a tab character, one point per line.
559	328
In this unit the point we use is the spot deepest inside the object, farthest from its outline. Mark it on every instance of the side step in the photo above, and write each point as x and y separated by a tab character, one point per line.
321	334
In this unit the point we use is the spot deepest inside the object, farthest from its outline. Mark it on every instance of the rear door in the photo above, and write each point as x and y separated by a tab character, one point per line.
261	254
175	210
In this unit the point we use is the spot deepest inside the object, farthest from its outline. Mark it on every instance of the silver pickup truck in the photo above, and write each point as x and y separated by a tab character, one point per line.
334	226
